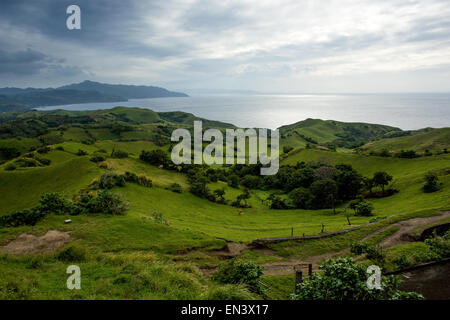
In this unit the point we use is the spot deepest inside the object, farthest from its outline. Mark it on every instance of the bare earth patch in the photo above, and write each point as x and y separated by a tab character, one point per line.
30	244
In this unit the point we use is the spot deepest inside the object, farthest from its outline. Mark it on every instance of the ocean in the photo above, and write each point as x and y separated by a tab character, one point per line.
406	111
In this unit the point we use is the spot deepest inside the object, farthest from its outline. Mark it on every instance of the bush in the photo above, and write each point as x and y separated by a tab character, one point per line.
233	181
239	272
155	157
158	218
105	202
372	252
408	154
22	218
60	148
343	279
229	292
81	152
97	158
431	183
110	180
363	209
10	167
143	180
44	161
54	203
175	187
43	150
251	182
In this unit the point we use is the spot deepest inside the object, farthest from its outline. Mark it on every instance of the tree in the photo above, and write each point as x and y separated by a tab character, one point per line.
348	182
363	209
233	181
381	179
431	183
155	157
220	194
301	198
368	183
343	279
324	193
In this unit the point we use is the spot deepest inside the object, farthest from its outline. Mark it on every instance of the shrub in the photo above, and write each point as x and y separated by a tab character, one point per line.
301	198
110	180
158	218
44	161
43	150
175	187
431	183
105	202
54	203
9	153
143	180
97	158
60	148
408	154
10	167
286	149
251	182
233	181
22	218
155	157
236	272
363	209
229	292
374	253
343	279
27	162
81	152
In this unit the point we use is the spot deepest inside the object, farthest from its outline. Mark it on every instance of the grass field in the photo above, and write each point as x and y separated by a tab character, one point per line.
123	256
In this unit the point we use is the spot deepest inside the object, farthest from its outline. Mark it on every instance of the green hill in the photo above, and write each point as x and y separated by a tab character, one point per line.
434	140
330	132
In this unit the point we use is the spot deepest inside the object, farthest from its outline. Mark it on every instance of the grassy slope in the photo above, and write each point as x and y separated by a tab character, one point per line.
434	140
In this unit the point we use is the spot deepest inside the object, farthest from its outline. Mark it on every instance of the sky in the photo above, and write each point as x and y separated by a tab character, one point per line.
280	46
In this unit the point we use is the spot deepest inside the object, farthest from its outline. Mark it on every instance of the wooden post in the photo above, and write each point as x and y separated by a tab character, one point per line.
298	279
292	231
310	271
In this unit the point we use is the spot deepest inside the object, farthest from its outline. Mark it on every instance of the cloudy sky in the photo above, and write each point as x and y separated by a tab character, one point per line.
268	46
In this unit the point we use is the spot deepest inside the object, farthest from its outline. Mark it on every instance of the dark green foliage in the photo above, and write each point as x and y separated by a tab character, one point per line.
10	167
431	183
276	202
301	198
381	179
373	252
54	203
233	181
220	193
155	157
81	152
97	158
158	218
175	187
239	272
251	182
105	202
363	209
408	154
43	150
22	218
324	193
348	182
286	149
343	279
439	246
110	180
241	200
8	153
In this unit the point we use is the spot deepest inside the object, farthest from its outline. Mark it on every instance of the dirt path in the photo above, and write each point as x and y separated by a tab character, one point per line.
405	229
403	235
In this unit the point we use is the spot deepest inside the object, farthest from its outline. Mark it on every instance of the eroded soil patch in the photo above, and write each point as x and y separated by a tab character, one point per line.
31	244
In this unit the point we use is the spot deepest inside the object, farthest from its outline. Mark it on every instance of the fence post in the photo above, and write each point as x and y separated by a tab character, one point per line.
298	279
310	271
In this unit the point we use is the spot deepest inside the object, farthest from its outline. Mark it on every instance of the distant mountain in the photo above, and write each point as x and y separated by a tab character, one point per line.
126	91
18	99
54	97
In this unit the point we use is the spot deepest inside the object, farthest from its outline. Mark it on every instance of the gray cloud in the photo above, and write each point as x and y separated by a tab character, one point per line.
284	45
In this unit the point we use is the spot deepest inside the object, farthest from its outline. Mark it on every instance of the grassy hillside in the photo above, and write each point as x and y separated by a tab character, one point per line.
340	134
434	140
135	255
